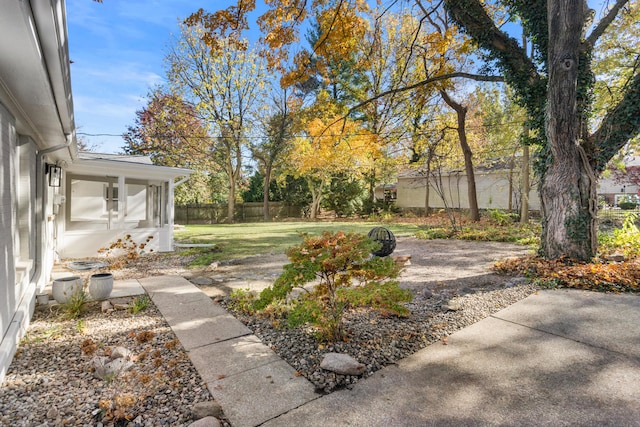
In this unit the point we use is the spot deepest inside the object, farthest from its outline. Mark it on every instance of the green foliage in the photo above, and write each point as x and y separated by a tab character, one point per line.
242	300
625	239
334	261
254	191
523	234
385	297
75	306
139	303
289	190
501	217
627	203
292	191
344	195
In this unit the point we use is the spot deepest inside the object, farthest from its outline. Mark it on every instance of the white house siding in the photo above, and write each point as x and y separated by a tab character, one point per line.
492	189
16	248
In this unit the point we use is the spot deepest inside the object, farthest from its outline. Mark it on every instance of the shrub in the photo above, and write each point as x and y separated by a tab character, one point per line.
625	239
334	262
501	217
132	249
139	303
76	306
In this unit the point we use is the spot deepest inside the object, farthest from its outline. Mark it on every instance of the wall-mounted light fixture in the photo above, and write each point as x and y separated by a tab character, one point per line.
55	175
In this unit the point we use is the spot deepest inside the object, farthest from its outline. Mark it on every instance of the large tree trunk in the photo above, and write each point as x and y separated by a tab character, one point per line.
526	186
568	186
461	112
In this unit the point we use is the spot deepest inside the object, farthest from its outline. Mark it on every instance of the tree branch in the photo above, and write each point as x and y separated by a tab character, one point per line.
473	18
476	77
604	23
619	125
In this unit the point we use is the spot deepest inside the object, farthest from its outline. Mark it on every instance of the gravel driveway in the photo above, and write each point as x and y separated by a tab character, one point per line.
461	265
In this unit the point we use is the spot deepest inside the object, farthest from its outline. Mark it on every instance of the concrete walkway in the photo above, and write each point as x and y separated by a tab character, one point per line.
556	358
251	382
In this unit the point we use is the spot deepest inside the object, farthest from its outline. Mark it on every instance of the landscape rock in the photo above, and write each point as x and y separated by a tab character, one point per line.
106	306
119	366
206	422
617	257
342	364
206	409
104	369
452	306
52	413
120	352
99	364
202	281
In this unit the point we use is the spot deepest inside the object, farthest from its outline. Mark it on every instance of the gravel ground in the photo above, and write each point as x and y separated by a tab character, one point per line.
51	380
377	341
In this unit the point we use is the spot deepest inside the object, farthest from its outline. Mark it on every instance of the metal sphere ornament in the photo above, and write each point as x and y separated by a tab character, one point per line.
385	238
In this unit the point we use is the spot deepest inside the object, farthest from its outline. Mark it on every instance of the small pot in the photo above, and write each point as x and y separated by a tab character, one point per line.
65	288
42	299
100	285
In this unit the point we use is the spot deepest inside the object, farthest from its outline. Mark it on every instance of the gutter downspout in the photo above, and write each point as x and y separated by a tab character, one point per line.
41	209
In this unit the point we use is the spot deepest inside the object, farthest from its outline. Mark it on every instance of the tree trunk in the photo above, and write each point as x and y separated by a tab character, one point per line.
461	112
316	197
427	188
568	187
526	186
265	193
510	207
231	200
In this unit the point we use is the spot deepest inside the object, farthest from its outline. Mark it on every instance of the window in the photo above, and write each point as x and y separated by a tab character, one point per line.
96	203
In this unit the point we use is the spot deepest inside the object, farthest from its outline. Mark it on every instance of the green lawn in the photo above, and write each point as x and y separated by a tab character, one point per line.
242	240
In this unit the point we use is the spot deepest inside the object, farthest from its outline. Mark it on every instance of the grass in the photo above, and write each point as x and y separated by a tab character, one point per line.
140	303
241	240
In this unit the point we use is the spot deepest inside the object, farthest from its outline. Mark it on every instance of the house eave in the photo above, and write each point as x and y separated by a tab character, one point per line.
35	83
101	167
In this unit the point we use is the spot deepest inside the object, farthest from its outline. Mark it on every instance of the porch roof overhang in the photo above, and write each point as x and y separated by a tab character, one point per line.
35	79
128	169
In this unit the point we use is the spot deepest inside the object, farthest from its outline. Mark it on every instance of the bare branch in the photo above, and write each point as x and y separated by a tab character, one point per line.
476	77
604	23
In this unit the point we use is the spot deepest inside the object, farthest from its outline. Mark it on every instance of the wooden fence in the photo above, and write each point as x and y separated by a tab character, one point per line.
244	212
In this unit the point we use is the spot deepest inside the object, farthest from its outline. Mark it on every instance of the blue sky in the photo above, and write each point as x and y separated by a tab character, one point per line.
117	49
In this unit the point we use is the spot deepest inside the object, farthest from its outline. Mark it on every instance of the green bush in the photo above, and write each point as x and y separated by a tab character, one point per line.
333	262
501	217
625	239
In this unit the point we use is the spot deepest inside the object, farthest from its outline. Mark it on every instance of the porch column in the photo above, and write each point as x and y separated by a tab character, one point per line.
122	200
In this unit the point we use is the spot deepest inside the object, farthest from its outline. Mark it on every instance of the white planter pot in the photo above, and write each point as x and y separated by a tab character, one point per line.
100	285
42	299
65	288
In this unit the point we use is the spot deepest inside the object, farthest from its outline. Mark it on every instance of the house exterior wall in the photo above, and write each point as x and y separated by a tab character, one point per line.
7	220
492	189
36	128
17	236
98	210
